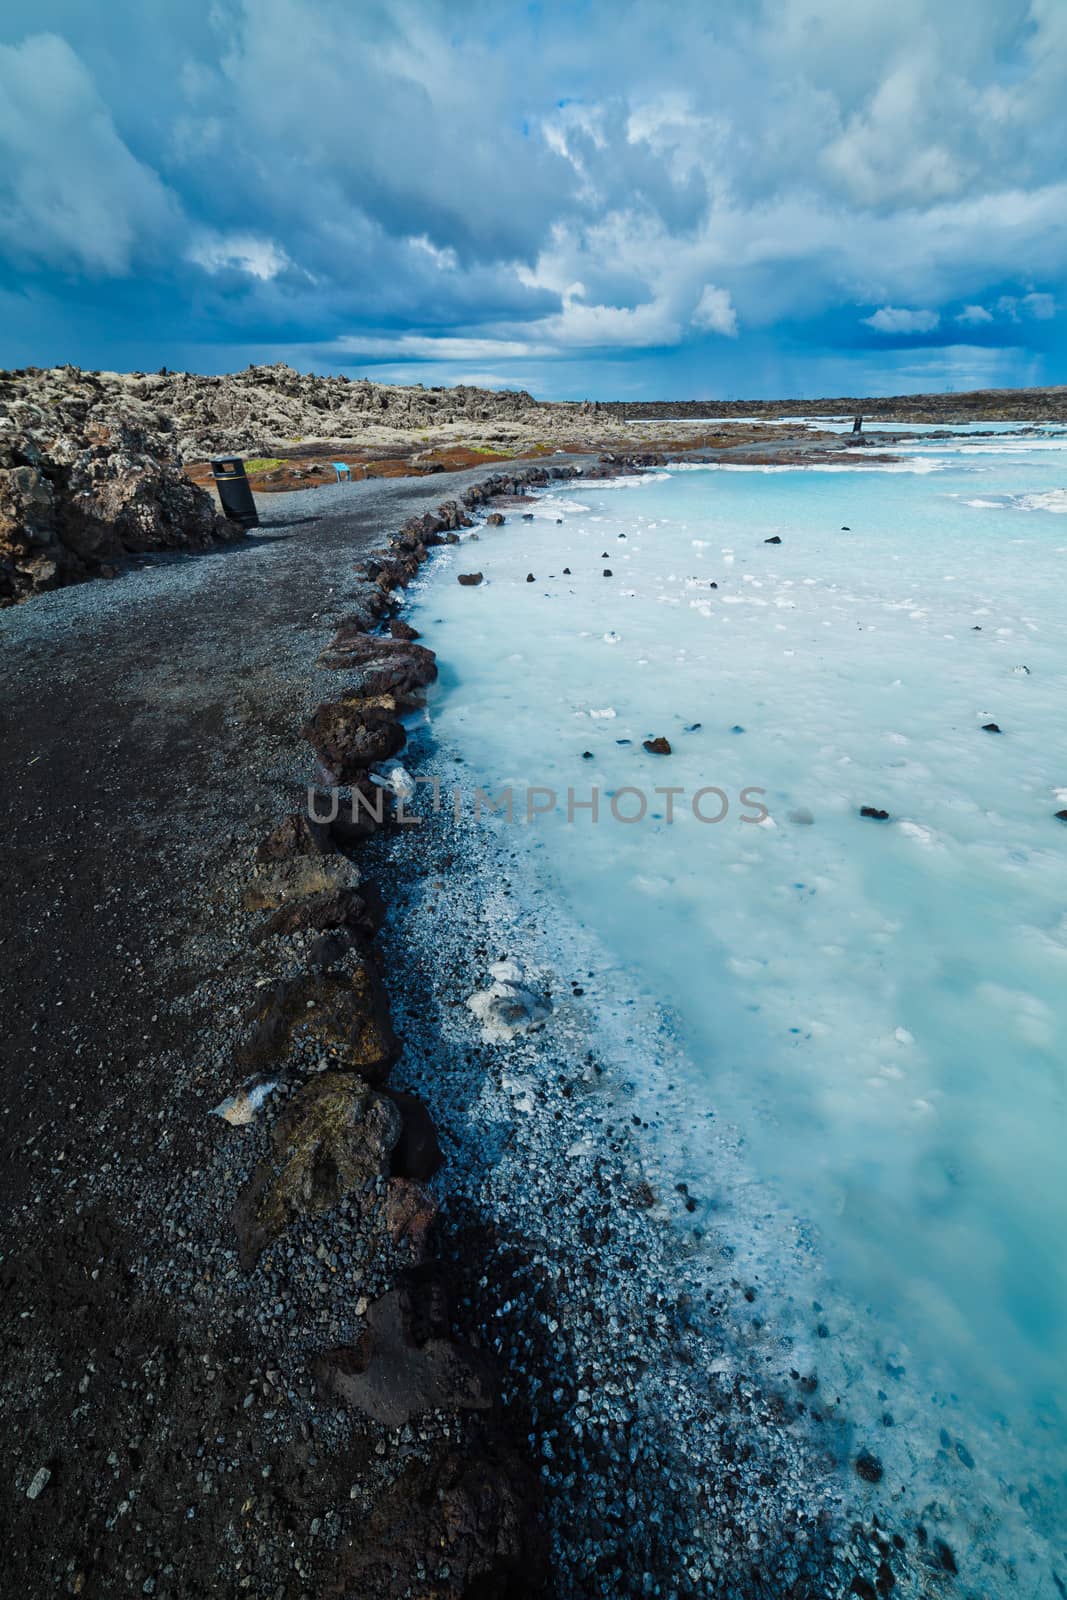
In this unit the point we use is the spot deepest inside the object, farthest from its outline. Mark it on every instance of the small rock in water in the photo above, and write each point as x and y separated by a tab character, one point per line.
587	755
608	572
530	578
692	727
603	555
845	528
494	520
38	1482
658	746
774	539
873	811
527	516
801	816
991	727
469	579
737	728
566	572
868	1467
1022	671
1062	816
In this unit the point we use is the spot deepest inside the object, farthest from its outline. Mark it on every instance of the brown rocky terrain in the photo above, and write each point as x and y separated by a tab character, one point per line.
98	466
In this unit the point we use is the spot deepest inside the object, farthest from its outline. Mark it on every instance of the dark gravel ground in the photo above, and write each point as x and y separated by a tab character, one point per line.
150	736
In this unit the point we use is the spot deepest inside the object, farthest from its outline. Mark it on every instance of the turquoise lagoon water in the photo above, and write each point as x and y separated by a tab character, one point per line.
877	1010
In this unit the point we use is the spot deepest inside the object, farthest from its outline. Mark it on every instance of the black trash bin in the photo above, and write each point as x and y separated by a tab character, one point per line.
235	491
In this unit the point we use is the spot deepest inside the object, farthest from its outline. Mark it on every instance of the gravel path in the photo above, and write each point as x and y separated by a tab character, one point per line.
149	728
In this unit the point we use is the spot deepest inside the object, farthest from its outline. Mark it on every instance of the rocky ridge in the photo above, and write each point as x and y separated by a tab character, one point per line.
973	405
85	482
95	466
255	409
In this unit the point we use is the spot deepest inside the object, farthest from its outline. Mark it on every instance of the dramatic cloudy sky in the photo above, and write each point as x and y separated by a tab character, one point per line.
727	197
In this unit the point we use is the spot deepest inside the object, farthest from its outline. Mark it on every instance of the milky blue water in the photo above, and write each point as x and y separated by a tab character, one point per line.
878	1009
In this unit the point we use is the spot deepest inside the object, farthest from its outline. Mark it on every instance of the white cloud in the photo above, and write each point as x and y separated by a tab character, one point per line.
1041	306
715	312
974	316
239	252
897	319
444	260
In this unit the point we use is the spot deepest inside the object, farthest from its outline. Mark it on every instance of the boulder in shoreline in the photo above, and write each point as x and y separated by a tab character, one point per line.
345	1017
319	913
495	519
658	746
296	835
400	629
409	1214
469	579
381	665
349	738
333	1138
279	883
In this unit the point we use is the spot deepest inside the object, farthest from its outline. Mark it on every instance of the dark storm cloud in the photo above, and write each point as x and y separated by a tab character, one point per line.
567	196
